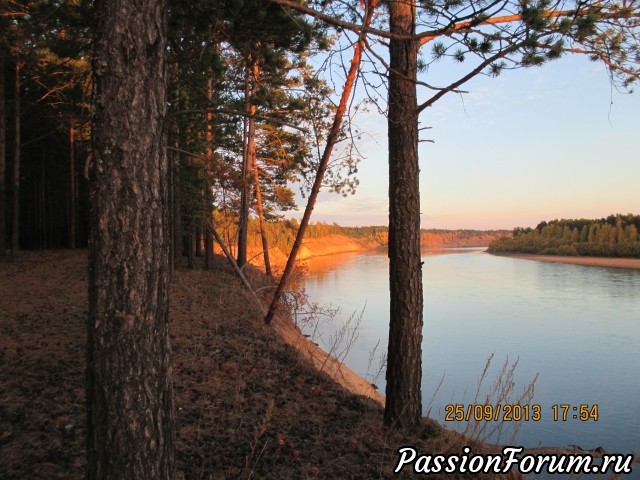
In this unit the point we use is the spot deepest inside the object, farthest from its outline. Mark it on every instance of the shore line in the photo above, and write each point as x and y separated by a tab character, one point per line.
607	262
325	362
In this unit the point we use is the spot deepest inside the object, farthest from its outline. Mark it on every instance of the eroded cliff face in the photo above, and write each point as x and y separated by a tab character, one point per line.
331	244
311	247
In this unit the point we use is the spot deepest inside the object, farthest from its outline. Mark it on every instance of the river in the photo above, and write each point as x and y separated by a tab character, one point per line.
576	328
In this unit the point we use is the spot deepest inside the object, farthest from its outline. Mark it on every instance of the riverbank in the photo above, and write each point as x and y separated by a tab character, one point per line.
248	405
313	247
609	262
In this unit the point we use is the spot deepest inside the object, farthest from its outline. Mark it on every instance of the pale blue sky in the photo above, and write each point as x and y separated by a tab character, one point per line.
533	144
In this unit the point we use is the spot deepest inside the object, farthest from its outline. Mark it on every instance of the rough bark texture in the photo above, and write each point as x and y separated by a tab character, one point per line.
263	226
245	194
404	361
130	420
3	164
15	222
72	190
208	239
253	158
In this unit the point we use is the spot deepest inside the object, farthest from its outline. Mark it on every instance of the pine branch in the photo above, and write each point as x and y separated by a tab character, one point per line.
470	75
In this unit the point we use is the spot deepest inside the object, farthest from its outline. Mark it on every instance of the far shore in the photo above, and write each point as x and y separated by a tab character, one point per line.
610	262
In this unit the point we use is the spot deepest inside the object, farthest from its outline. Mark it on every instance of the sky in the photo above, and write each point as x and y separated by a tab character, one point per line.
532	144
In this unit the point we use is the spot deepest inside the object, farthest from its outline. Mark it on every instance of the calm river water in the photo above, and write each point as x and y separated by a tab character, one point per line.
576	327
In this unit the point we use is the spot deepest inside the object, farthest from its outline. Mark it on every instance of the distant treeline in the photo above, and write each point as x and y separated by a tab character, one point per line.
459	238
613	236
281	234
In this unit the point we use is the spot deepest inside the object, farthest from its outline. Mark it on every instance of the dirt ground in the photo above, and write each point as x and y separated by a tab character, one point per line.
247	404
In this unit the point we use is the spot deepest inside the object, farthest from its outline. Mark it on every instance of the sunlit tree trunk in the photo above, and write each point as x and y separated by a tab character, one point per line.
263	226
404	357
253	162
332	138
245	194
130	419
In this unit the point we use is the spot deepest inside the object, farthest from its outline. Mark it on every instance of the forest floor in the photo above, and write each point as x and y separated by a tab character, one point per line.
248	405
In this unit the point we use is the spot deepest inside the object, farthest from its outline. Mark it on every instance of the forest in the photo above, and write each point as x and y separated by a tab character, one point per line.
146	130
236	90
613	236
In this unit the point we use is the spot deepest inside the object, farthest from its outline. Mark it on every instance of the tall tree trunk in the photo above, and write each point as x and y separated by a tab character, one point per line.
172	217
175	249
3	160
245	194
404	356
208	248
253	162
190	246
199	239
130	415
208	223
15	222
72	189
263	226
42	224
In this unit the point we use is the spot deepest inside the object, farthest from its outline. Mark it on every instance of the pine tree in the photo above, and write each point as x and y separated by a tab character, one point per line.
130	418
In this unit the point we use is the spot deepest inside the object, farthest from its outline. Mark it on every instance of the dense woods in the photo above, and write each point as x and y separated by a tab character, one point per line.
44	124
613	236
245	113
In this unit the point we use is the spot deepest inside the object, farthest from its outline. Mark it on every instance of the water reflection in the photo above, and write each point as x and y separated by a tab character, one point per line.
577	326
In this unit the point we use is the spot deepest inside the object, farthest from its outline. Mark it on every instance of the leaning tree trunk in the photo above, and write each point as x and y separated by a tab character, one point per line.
332	138
404	357
130	419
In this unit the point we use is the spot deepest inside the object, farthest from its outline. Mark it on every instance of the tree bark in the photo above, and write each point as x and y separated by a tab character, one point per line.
263	226
253	161
208	249
42	224
72	189
130	415
3	160
199	239
208	239
190	246
245	194
172	218
15	221
403	408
